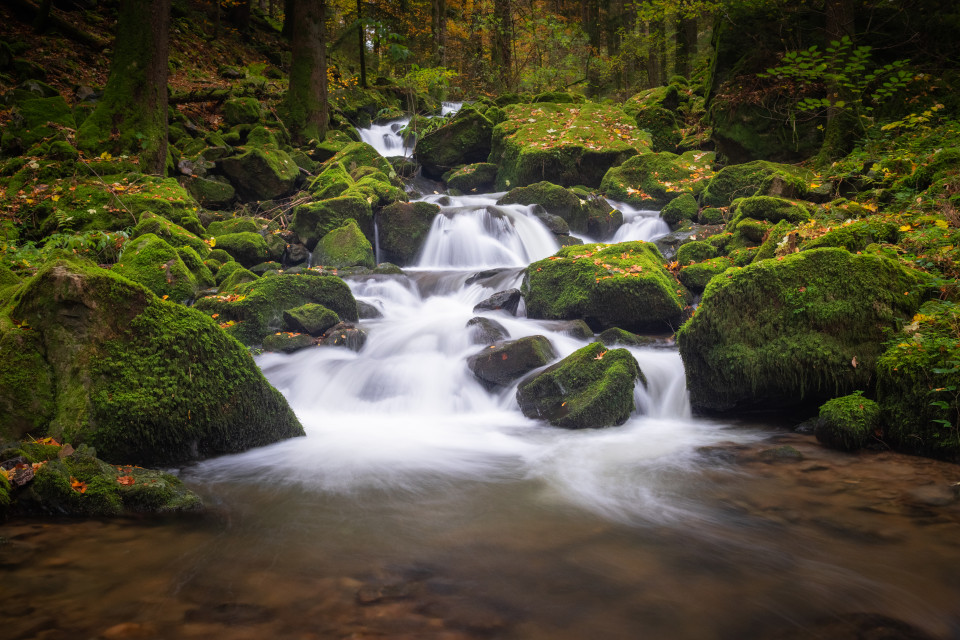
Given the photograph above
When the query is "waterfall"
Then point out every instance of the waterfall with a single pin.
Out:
(639, 224)
(386, 139)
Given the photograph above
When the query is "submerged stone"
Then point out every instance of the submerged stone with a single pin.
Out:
(505, 362)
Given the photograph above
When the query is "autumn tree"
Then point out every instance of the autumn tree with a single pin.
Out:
(305, 106)
(131, 117)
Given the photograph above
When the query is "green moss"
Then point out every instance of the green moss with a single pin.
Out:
(555, 199)
(695, 277)
(331, 182)
(504, 362)
(472, 178)
(744, 180)
(856, 236)
(287, 342)
(173, 234)
(30, 123)
(144, 380)
(236, 276)
(313, 220)
(778, 333)
(463, 140)
(257, 307)
(27, 390)
(623, 285)
(679, 209)
(768, 208)
(695, 251)
(245, 247)
(220, 256)
(377, 190)
(564, 144)
(771, 246)
(360, 154)
(917, 379)
(592, 387)
(195, 264)
(345, 246)
(153, 263)
(749, 232)
(663, 127)
(310, 318)
(241, 111)
(847, 423)
(712, 215)
(209, 193)
(261, 173)
(403, 228)
(234, 225)
(654, 179)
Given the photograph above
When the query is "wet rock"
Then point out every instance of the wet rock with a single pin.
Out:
(311, 318)
(785, 453)
(592, 387)
(288, 342)
(296, 254)
(555, 224)
(617, 336)
(508, 301)
(345, 334)
(404, 227)
(486, 331)
(501, 364)
(368, 311)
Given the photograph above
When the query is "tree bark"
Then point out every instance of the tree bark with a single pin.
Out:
(306, 107)
(502, 41)
(439, 31)
(686, 43)
(289, 7)
(131, 117)
(362, 44)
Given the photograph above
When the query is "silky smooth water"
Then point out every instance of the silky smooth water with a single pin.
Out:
(420, 505)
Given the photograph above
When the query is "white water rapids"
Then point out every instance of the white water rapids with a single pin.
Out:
(406, 413)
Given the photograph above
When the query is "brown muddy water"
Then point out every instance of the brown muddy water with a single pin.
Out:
(763, 543)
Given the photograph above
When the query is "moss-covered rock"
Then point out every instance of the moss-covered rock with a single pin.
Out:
(847, 423)
(313, 319)
(744, 180)
(917, 379)
(679, 209)
(193, 262)
(779, 333)
(654, 179)
(361, 154)
(235, 275)
(464, 140)
(695, 251)
(30, 122)
(564, 144)
(345, 246)
(856, 236)
(156, 265)
(501, 364)
(695, 277)
(27, 389)
(621, 285)
(245, 247)
(260, 173)
(404, 228)
(473, 178)
(241, 111)
(331, 182)
(254, 310)
(173, 234)
(592, 387)
(768, 208)
(210, 193)
(288, 342)
(313, 220)
(144, 380)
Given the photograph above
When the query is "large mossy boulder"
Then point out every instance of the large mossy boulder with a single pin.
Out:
(404, 228)
(748, 179)
(255, 309)
(501, 364)
(345, 246)
(769, 209)
(587, 214)
(592, 387)
(260, 172)
(472, 178)
(847, 423)
(621, 285)
(313, 319)
(143, 380)
(654, 179)
(563, 143)
(464, 140)
(246, 247)
(173, 234)
(313, 220)
(34, 120)
(798, 331)
(360, 154)
(917, 381)
(156, 265)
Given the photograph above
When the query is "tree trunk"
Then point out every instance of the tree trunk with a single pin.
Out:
(686, 43)
(502, 41)
(131, 117)
(439, 31)
(362, 44)
(841, 128)
(289, 8)
(655, 62)
(305, 107)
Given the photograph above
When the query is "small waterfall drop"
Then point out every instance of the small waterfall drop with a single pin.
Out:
(639, 224)
(386, 138)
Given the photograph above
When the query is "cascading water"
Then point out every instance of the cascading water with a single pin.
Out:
(406, 411)
(386, 138)
(639, 224)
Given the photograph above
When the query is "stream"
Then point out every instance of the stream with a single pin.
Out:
(421, 505)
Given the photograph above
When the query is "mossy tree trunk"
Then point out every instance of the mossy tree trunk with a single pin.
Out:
(502, 41)
(362, 44)
(686, 40)
(305, 107)
(132, 115)
(439, 31)
(842, 125)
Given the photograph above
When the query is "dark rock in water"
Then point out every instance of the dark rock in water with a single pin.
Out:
(403, 228)
(785, 453)
(508, 301)
(592, 387)
(572, 328)
(555, 224)
(503, 363)
(617, 336)
(483, 275)
(486, 331)
(465, 140)
(345, 334)
(102, 338)
(368, 311)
